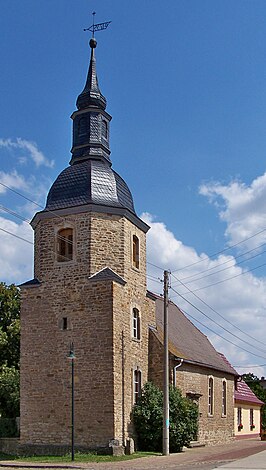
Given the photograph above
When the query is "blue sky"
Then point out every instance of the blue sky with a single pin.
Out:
(185, 82)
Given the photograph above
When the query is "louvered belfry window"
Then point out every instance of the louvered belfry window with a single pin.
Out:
(65, 245)
(135, 249)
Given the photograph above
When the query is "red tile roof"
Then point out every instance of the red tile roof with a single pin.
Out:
(245, 394)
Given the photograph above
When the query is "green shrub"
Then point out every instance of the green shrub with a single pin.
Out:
(8, 427)
(148, 419)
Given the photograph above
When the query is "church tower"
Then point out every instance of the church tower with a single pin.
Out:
(89, 289)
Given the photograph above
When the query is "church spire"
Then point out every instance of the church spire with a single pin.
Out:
(91, 121)
(91, 95)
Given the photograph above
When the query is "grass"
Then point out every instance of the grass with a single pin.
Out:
(79, 457)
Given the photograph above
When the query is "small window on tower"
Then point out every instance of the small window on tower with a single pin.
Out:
(136, 324)
(104, 129)
(65, 245)
(135, 251)
(64, 323)
(82, 126)
(136, 385)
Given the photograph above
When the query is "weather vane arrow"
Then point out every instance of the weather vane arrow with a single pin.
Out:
(97, 27)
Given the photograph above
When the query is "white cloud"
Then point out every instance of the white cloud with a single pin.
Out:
(31, 147)
(241, 300)
(242, 207)
(15, 255)
(12, 180)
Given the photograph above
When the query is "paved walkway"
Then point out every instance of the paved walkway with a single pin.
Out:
(253, 453)
(256, 461)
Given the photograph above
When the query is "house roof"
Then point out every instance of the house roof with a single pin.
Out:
(32, 283)
(188, 342)
(245, 394)
(107, 274)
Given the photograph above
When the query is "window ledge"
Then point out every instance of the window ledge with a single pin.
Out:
(65, 263)
(137, 270)
(136, 340)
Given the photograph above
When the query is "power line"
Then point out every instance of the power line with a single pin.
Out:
(229, 278)
(221, 251)
(17, 236)
(245, 367)
(217, 334)
(9, 211)
(153, 279)
(220, 315)
(226, 262)
(224, 269)
(31, 243)
(19, 194)
(220, 326)
(54, 213)
(155, 266)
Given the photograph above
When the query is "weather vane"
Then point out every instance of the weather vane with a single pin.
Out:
(97, 27)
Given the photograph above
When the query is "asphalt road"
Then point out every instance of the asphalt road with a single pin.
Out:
(202, 458)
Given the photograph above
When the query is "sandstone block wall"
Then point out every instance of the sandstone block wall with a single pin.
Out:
(193, 380)
(99, 322)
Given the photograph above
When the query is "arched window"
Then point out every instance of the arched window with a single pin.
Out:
(65, 245)
(136, 324)
(136, 385)
(210, 396)
(135, 251)
(224, 397)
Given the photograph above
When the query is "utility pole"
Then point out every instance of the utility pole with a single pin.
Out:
(71, 357)
(166, 370)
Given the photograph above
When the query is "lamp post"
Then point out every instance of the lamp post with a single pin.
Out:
(71, 357)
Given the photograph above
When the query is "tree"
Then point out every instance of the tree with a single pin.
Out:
(254, 383)
(9, 350)
(148, 419)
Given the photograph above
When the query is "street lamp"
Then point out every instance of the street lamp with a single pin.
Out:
(71, 357)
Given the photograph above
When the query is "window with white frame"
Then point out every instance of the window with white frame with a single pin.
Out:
(251, 419)
(136, 384)
(224, 397)
(239, 418)
(136, 323)
(210, 396)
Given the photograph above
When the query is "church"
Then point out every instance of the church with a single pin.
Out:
(89, 298)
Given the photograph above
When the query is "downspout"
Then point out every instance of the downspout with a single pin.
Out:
(176, 367)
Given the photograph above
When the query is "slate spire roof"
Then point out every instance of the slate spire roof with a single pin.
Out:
(90, 182)
(91, 94)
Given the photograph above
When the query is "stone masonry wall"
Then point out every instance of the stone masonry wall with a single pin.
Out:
(194, 379)
(46, 370)
(97, 313)
(130, 353)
